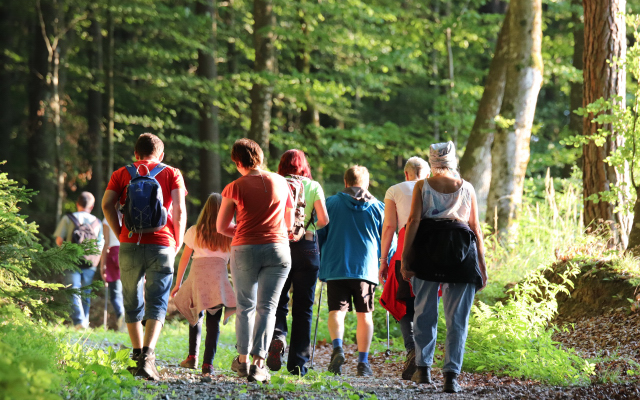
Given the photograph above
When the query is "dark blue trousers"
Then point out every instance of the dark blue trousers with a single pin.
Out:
(305, 265)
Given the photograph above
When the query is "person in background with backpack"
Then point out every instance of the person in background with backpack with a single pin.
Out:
(78, 227)
(350, 252)
(260, 254)
(152, 198)
(311, 214)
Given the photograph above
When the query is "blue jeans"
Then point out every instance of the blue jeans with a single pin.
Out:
(457, 299)
(305, 264)
(145, 300)
(80, 305)
(259, 272)
(115, 296)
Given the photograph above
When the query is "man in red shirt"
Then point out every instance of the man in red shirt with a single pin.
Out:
(147, 255)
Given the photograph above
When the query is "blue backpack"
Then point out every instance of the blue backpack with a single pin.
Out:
(143, 209)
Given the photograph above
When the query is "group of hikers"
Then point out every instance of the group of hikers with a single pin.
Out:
(279, 235)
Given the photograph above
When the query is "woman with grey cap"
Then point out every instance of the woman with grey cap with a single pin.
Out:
(443, 245)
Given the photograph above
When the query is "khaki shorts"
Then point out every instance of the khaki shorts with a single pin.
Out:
(349, 294)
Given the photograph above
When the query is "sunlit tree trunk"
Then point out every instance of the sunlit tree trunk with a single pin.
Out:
(209, 133)
(94, 111)
(262, 90)
(605, 38)
(510, 152)
(475, 164)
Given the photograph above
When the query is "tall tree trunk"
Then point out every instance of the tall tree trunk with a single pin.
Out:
(40, 144)
(232, 53)
(94, 111)
(109, 90)
(208, 127)
(6, 101)
(451, 86)
(634, 235)
(510, 153)
(475, 164)
(262, 92)
(605, 38)
(576, 121)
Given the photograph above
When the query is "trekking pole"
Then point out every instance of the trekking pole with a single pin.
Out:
(315, 335)
(388, 352)
(106, 302)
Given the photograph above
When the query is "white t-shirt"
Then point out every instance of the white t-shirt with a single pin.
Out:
(401, 195)
(199, 252)
(113, 239)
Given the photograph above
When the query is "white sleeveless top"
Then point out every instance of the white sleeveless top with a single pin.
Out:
(456, 205)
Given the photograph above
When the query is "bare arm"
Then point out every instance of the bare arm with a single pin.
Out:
(59, 241)
(109, 203)
(321, 213)
(412, 228)
(388, 229)
(182, 268)
(179, 215)
(289, 218)
(224, 223)
(474, 224)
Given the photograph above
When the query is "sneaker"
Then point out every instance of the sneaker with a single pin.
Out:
(422, 375)
(364, 369)
(147, 366)
(241, 368)
(190, 362)
(409, 365)
(207, 369)
(451, 384)
(276, 351)
(257, 374)
(121, 325)
(337, 359)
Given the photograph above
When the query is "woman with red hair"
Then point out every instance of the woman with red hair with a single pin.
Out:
(305, 264)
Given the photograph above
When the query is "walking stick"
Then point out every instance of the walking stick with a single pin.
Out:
(106, 302)
(388, 352)
(315, 335)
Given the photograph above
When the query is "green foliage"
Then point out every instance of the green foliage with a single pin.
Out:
(23, 260)
(514, 338)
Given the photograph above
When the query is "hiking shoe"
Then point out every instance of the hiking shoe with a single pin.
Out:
(147, 366)
(190, 362)
(364, 369)
(451, 384)
(409, 365)
(134, 369)
(241, 368)
(257, 374)
(207, 369)
(422, 375)
(276, 351)
(337, 359)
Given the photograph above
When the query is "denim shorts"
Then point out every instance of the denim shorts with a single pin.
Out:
(155, 263)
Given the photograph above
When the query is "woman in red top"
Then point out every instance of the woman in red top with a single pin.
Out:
(260, 254)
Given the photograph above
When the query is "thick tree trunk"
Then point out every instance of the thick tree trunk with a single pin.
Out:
(208, 128)
(109, 91)
(262, 92)
(475, 164)
(232, 53)
(634, 235)
(605, 38)
(94, 113)
(510, 152)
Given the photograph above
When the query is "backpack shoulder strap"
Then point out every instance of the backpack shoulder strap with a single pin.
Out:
(73, 219)
(156, 170)
(132, 170)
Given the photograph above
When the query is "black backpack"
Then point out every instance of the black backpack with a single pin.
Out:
(82, 233)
